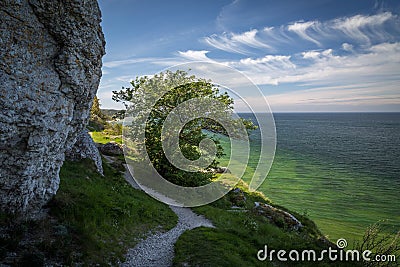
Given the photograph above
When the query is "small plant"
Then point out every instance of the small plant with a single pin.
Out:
(250, 224)
(381, 241)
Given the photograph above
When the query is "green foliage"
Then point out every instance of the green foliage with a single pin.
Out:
(153, 99)
(120, 115)
(241, 233)
(113, 129)
(97, 120)
(104, 138)
(93, 220)
(106, 213)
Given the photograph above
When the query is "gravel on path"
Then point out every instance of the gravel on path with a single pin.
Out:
(158, 249)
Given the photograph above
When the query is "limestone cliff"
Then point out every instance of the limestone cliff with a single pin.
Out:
(50, 68)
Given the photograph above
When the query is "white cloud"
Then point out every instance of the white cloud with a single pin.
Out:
(270, 61)
(224, 42)
(311, 54)
(237, 43)
(360, 27)
(347, 47)
(365, 96)
(301, 28)
(249, 38)
(361, 94)
(268, 29)
(387, 48)
(125, 78)
(195, 55)
(376, 63)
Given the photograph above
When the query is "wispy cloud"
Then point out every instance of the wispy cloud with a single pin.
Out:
(224, 42)
(195, 55)
(359, 29)
(237, 43)
(249, 39)
(362, 94)
(351, 61)
(302, 28)
(378, 63)
(362, 28)
(270, 61)
(349, 97)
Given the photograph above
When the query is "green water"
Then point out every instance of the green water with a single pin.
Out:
(341, 205)
(342, 200)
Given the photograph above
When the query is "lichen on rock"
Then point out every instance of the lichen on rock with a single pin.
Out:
(51, 53)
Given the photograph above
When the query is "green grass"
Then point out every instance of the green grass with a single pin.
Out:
(106, 213)
(93, 220)
(238, 237)
(103, 137)
(342, 202)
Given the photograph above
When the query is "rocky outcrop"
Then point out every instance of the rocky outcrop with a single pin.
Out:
(85, 148)
(50, 69)
(111, 149)
(277, 216)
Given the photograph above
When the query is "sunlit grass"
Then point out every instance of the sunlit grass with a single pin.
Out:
(342, 202)
(106, 213)
(103, 137)
(239, 235)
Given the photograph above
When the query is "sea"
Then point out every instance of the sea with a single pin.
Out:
(340, 169)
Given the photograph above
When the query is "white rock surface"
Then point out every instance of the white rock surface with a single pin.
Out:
(50, 68)
(85, 148)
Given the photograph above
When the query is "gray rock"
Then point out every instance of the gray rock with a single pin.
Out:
(280, 217)
(85, 148)
(50, 68)
(111, 149)
(237, 197)
(222, 170)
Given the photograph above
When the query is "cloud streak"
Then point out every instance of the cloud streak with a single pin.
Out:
(347, 61)
(195, 55)
(301, 28)
(361, 27)
(358, 29)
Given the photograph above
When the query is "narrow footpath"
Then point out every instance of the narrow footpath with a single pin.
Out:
(158, 249)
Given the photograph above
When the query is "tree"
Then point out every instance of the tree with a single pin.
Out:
(154, 99)
(97, 119)
(95, 111)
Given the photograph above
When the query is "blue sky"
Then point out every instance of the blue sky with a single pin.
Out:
(321, 55)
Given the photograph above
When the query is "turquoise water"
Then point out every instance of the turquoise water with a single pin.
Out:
(341, 169)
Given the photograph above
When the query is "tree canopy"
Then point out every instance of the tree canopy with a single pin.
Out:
(171, 98)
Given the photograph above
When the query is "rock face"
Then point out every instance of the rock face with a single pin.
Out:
(50, 68)
(85, 148)
(111, 149)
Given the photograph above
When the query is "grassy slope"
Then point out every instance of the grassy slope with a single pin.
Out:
(103, 138)
(93, 220)
(107, 214)
(238, 237)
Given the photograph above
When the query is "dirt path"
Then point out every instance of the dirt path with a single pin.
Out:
(158, 249)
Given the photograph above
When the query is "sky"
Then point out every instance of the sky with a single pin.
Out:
(304, 56)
